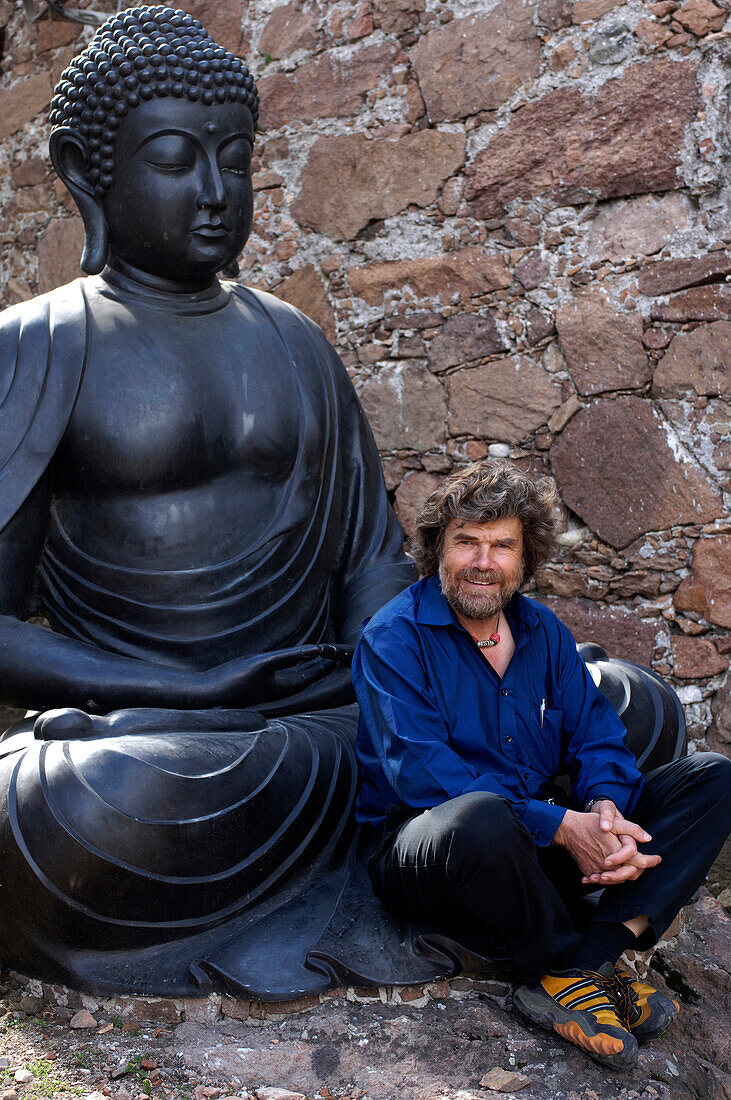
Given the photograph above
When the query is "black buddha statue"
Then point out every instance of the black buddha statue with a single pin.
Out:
(191, 496)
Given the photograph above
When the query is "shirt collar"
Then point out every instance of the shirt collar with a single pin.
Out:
(434, 610)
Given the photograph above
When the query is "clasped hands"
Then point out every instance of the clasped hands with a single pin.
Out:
(603, 844)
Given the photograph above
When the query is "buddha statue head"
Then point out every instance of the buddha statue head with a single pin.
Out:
(153, 128)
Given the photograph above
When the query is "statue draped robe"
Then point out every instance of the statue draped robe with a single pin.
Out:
(175, 851)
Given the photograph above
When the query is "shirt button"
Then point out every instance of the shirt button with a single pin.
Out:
(505, 692)
(508, 738)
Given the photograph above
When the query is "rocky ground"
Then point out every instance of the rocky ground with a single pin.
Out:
(453, 1041)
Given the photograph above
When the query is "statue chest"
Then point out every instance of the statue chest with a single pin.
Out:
(171, 403)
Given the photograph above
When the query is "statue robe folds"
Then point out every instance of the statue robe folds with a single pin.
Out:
(171, 852)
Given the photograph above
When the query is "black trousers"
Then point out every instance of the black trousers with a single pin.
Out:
(470, 867)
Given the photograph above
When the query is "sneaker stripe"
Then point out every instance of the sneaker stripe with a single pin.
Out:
(594, 1001)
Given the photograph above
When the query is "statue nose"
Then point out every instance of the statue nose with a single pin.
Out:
(212, 193)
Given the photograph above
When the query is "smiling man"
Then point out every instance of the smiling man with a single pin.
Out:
(473, 700)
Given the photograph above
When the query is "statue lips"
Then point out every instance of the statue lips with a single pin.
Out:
(213, 231)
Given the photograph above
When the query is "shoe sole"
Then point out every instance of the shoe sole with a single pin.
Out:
(603, 1048)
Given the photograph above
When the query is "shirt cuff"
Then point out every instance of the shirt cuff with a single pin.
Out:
(620, 795)
(542, 819)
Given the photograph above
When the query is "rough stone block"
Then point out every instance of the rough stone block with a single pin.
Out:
(406, 407)
(708, 588)
(504, 400)
(622, 634)
(23, 101)
(603, 348)
(700, 303)
(669, 275)
(457, 275)
(325, 87)
(379, 178)
(697, 360)
(532, 270)
(410, 495)
(626, 140)
(290, 27)
(395, 16)
(476, 63)
(617, 468)
(639, 226)
(701, 17)
(463, 338)
(696, 658)
(585, 11)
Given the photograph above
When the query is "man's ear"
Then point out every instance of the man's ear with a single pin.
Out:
(70, 156)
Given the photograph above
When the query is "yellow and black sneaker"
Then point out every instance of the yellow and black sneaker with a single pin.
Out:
(578, 1006)
(647, 1012)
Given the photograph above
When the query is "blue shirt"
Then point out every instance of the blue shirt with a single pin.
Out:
(437, 721)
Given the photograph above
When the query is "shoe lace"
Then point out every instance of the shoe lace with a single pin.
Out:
(627, 999)
(619, 992)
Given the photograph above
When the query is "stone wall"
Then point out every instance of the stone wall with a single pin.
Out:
(513, 219)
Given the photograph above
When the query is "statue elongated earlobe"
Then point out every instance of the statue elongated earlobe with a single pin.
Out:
(69, 154)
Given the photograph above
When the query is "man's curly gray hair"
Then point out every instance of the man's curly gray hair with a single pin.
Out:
(488, 490)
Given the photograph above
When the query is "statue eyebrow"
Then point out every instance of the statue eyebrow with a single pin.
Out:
(173, 131)
(164, 133)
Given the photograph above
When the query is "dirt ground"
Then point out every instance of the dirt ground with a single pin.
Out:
(426, 1044)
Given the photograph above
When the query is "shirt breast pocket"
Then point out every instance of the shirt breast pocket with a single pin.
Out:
(547, 741)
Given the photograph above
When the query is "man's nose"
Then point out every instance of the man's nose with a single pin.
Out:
(484, 558)
(212, 193)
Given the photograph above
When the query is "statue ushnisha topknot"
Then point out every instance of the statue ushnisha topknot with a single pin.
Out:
(136, 55)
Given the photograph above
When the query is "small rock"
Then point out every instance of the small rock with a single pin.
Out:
(119, 1070)
(9, 1094)
(271, 1093)
(206, 1092)
(725, 899)
(504, 1080)
(31, 1005)
(4, 1063)
(105, 1028)
(82, 1019)
(23, 1076)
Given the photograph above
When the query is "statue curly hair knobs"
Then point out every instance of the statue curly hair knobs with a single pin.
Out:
(136, 56)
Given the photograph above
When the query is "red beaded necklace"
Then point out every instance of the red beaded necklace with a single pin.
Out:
(492, 640)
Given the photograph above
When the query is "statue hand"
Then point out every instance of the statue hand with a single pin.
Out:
(247, 681)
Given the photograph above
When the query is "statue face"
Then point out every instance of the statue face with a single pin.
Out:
(181, 203)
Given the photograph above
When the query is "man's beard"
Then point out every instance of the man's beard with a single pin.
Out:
(478, 605)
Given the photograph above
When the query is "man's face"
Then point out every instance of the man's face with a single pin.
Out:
(180, 205)
(481, 566)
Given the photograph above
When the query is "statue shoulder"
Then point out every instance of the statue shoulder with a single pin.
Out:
(42, 355)
(292, 321)
(48, 313)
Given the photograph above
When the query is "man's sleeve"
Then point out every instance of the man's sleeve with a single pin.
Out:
(410, 736)
(598, 759)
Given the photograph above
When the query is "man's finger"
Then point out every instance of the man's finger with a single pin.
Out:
(623, 854)
(628, 828)
(644, 861)
(607, 814)
(627, 873)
